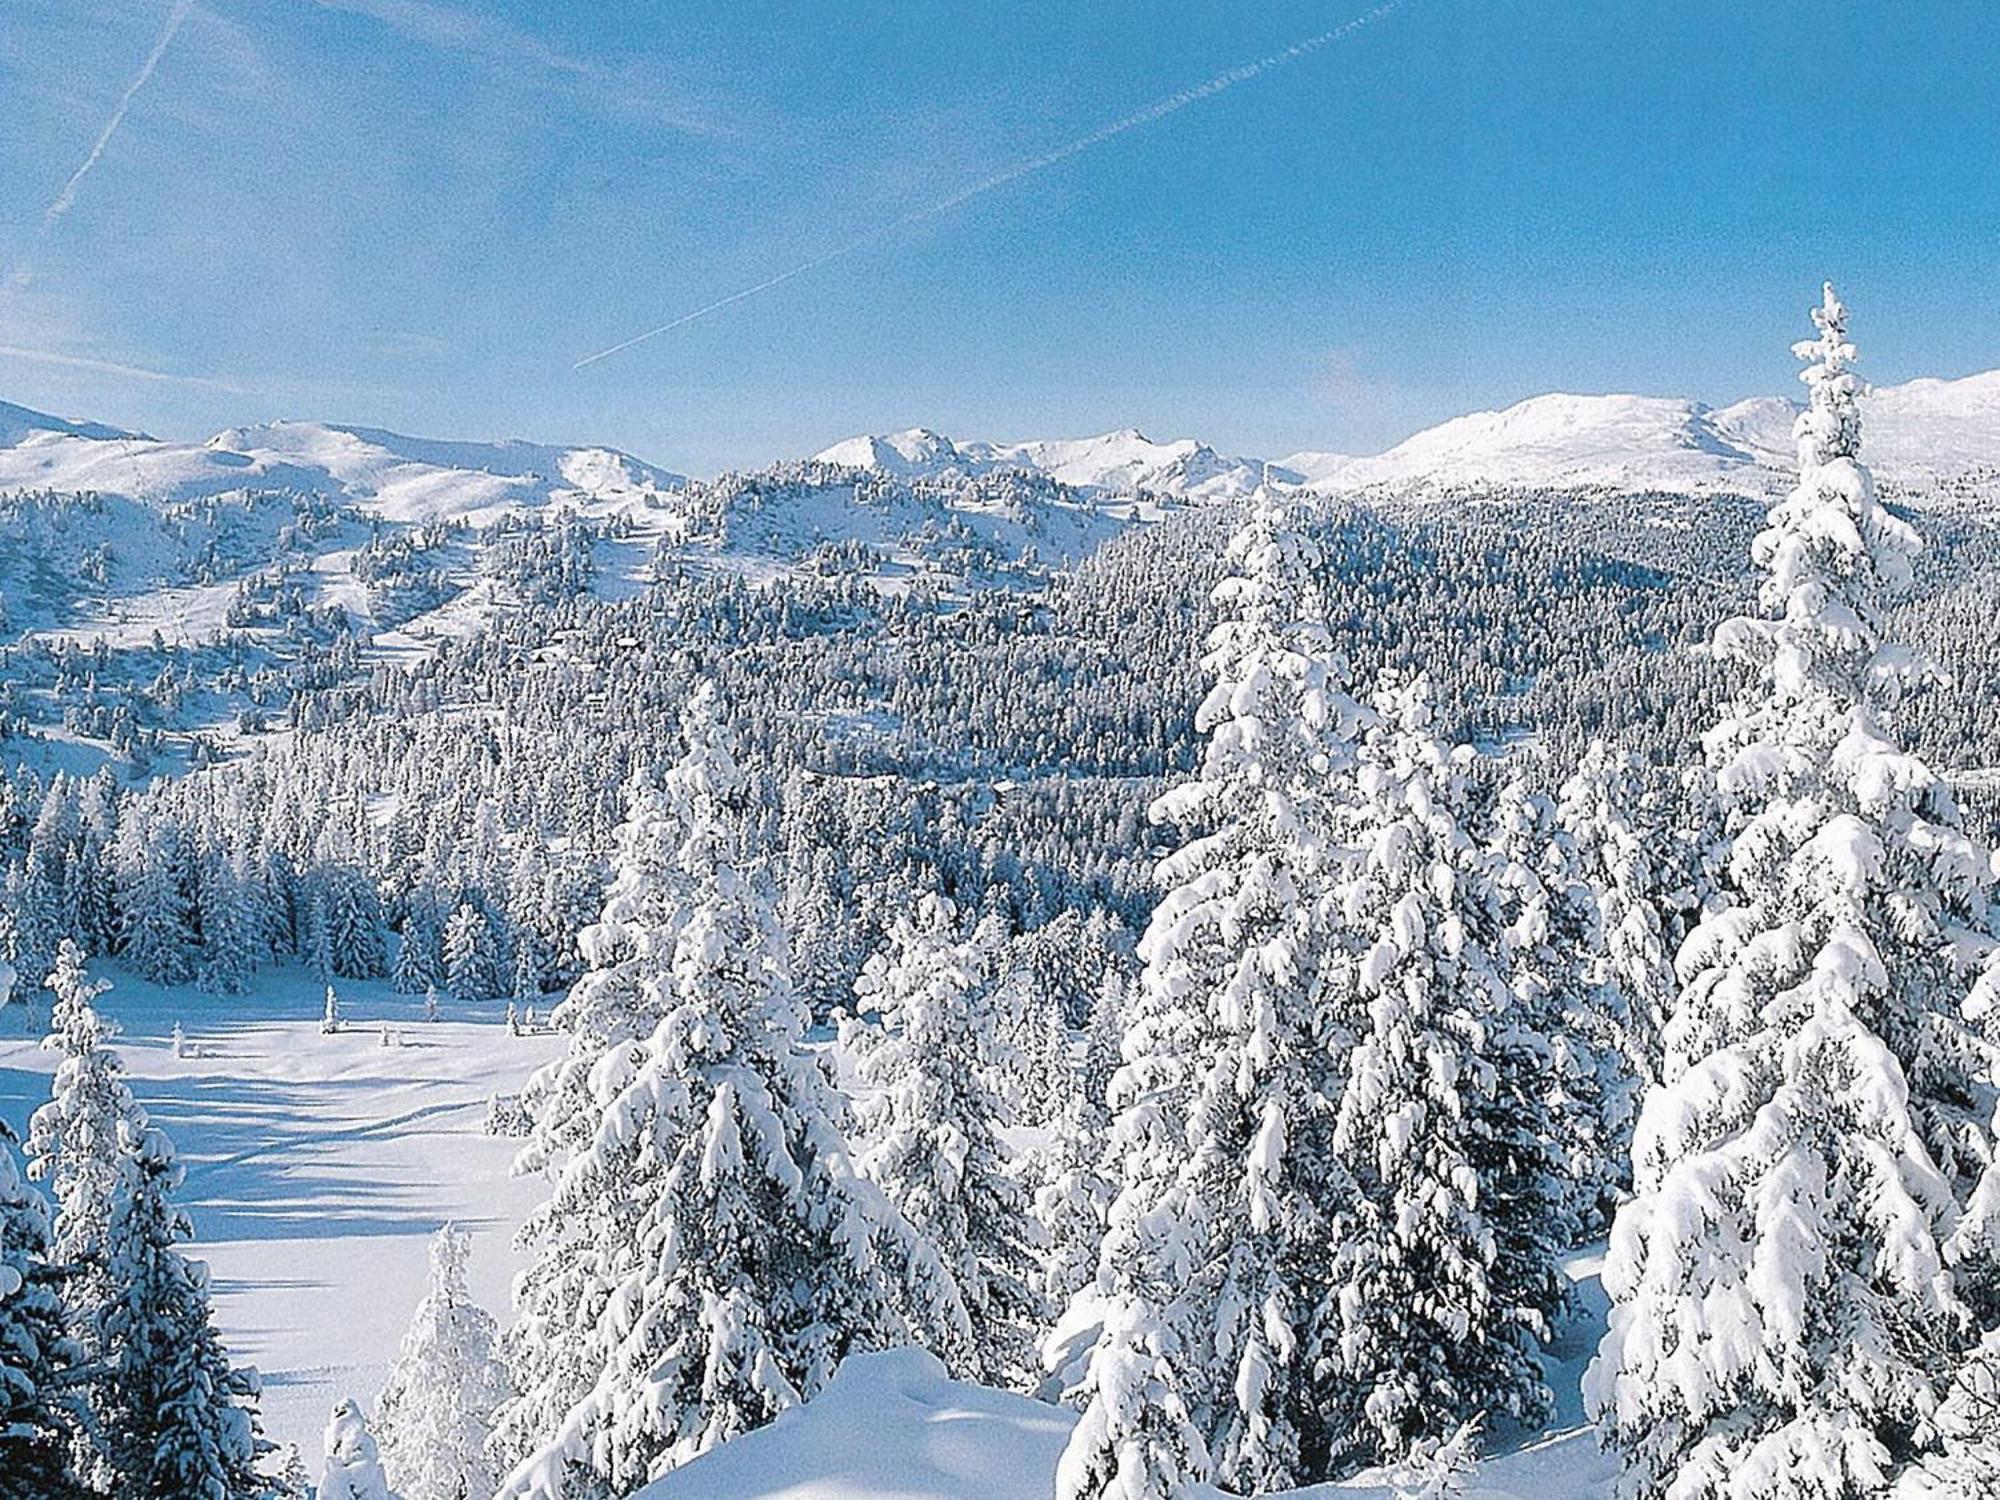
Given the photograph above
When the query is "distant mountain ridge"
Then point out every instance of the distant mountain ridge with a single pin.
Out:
(1919, 432)
(1923, 430)
(385, 473)
(1121, 462)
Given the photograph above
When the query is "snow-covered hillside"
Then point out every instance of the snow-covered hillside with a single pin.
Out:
(384, 473)
(1629, 441)
(1917, 433)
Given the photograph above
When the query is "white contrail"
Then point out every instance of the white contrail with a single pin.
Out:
(165, 39)
(1156, 111)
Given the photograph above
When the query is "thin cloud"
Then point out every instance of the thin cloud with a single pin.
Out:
(495, 41)
(1157, 110)
(67, 196)
(114, 367)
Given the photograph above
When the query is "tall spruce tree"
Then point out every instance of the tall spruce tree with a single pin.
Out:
(607, 1019)
(1791, 1281)
(76, 1141)
(1210, 1259)
(757, 1256)
(1442, 1268)
(931, 1125)
(175, 1420)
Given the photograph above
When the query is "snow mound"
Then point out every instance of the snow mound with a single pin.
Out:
(891, 1424)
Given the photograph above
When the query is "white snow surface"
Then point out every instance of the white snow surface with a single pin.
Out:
(318, 1166)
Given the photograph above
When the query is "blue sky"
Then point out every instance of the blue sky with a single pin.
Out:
(419, 214)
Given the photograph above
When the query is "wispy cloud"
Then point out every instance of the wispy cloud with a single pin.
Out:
(63, 199)
(503, 44)
(1158, 110)
(114, 367)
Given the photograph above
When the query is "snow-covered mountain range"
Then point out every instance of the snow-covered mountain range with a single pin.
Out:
(1923, 431)
(1920, 432)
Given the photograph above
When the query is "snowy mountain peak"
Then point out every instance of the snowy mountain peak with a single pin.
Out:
(914, 452)
(1123, 462)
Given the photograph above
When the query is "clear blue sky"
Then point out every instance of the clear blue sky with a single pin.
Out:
(419, 213)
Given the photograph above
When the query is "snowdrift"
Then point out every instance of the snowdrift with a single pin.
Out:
(889, 1426)
(894, 1426)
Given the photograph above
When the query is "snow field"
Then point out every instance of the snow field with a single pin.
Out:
(317, 1166)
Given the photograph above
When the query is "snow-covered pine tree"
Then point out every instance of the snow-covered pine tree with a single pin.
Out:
(436, 1409)
(419, 962)
(751, 1257)
(34, 919)
(158, 937)
(353, 1468)
(1790, 1280)
(527, 988)
(230, 943)
(41, 1405)
(75, 1141)
(355, 947)
(607, 1018)
(1072, 1202)
(292, 1481)
(471, 954)
(1210, 1259)
(1566, 1056)
(1439, 1283)
(1605, 808)
(1103, 1038)
(172, 1415)
(931, 1119)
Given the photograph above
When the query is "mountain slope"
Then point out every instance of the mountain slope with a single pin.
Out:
(1922, 432)
(18, 425)
(1555, 440)
(1917, 433)
(385, 473)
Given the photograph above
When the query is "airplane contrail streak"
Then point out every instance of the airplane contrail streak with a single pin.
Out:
(67, 196)
(1159, 110)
